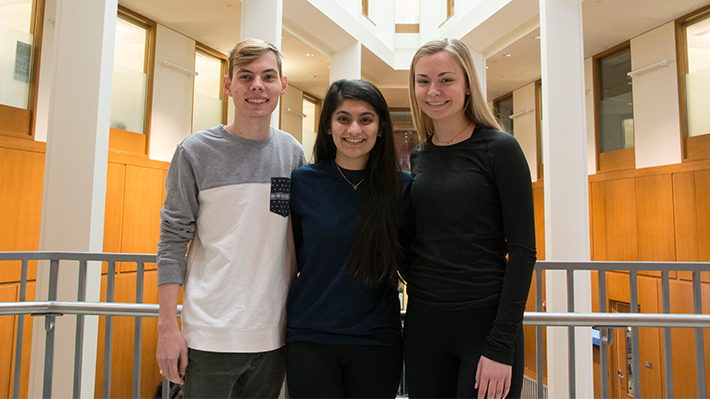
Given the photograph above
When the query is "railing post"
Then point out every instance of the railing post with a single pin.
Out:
(137, 336)
(603, 339)
(79, 341)
(20, 332)
(49, 324)
(538, 330)
(667, 350)
(699, 338)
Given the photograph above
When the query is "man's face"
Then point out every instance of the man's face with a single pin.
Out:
(255, 88)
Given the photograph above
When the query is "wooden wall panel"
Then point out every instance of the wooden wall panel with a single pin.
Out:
(113, 216)
(113, 213)
(21, 175)
(622, 241)
(123, 342)
(683, 342)
(702, 198)
(686, 220)
(539, 209)
(655, 227)
(8, 293)
(650, 349)
(143, 199)
(598, 221)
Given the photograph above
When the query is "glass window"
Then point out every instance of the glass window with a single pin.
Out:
(616, 114)
(697, 75)
(406, 11)
(208, 104)
(16, 45)
(130, 75)
(503, 108)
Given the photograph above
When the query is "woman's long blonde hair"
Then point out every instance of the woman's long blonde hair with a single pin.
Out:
(475, 106)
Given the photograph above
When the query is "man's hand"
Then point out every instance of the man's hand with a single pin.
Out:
(172, 348)
(172, 354)
(492, 378)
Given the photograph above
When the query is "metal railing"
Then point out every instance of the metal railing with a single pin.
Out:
(51, 309)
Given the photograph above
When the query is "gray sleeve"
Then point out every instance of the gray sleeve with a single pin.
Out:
(177, 225)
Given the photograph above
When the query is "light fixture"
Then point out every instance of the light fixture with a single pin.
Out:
(507, 55)
(309, 55)
(538, 37)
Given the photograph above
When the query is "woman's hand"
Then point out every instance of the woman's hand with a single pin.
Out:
(492, 378)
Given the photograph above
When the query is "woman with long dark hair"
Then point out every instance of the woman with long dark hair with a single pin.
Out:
(343, 331)
(474, 250)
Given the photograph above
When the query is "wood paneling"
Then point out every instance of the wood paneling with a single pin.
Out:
(21, 179)
(15, 121)
(686, 225)
(123, 341)
(143, 199)
(539, 209)
(697, 147)
(113, 213)
(617, 160)
(598, 221)
(129, 142)
(702, 198)
(8, 293)
(683, 342)
(620, 204)
(655, 227)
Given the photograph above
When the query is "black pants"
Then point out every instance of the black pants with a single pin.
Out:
(442, 349)
(342, 371)
(234, 375)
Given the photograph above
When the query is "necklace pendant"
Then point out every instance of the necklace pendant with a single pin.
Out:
(354, 187)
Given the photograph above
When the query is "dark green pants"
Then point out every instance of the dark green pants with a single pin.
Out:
(234, 375)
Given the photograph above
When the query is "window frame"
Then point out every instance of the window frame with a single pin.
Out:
(696, 147)
(18, 122)
(618, 159)
(496, 110)
(125, 141)
(203, 48)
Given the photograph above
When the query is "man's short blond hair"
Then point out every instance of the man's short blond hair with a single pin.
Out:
(248, 50)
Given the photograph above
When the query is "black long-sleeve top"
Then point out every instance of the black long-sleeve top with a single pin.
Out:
(474, 206)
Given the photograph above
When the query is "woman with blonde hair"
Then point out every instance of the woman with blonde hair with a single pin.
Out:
(474, 250)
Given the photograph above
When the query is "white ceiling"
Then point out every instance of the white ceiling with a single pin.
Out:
(607, 23)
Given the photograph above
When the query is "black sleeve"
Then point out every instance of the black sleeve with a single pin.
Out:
(512, 176)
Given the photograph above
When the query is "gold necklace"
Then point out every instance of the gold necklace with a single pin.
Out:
(452, 139)
(346, 179)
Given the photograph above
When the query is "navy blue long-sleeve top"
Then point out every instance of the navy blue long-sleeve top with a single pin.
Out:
(474, 207)
(325, 304)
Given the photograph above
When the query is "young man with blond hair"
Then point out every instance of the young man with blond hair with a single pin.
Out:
(228, 198)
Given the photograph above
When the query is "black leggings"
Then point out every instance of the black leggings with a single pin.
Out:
(442, 349)
(342, 371)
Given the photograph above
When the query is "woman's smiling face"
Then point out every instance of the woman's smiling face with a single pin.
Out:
(440, 86)
(354, 127)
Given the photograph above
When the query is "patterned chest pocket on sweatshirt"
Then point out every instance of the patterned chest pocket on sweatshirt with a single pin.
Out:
(280, 195)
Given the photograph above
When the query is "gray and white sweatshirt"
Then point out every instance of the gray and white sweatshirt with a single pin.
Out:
(228, 197)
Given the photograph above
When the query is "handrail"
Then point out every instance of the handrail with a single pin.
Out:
(189, 72)
(521, 113)
(664, 62)
(598, 320)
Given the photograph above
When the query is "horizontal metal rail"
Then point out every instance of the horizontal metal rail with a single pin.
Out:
(549, 319)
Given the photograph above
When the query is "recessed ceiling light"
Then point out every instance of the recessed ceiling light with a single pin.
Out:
(507, 55)
(309, 55)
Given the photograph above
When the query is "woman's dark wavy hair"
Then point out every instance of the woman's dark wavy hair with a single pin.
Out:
(375, 251)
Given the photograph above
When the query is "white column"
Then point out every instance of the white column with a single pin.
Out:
(263, 19)
(75, 178)
(566, 190)
(347, 63)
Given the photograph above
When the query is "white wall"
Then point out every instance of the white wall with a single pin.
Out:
(524, 125)
(172, 94)
(655, 93)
